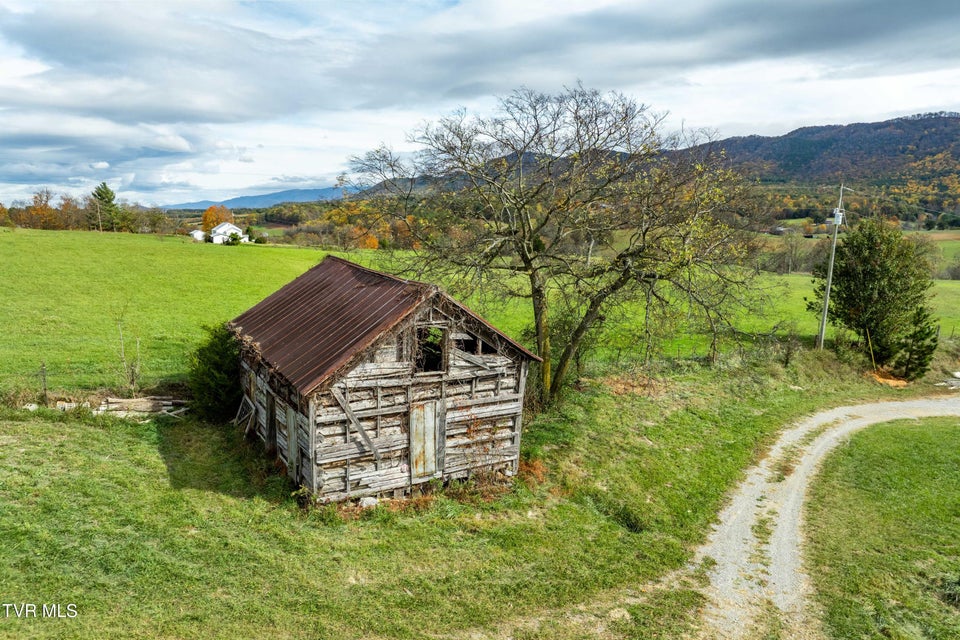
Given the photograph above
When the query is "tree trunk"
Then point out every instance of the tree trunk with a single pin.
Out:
(589, 318)
(542, 326)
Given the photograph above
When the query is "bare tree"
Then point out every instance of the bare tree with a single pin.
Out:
(576, 202)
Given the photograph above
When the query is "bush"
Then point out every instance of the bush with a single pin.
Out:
(214, 376)
(952, 272)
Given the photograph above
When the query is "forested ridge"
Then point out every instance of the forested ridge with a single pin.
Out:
(902, 166)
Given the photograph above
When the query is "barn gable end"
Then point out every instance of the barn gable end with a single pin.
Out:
(362, 383)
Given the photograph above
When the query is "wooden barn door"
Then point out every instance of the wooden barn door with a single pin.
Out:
(423, 440)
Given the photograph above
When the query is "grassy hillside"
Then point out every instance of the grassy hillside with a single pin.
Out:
(68, 291)
(180, 529)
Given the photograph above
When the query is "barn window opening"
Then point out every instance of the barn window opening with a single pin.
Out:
(465, 342)
(429, 349)
(487, 349)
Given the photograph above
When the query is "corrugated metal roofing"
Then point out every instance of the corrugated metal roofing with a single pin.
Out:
(309, 329)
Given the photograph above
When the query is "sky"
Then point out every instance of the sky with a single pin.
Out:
(170, 101)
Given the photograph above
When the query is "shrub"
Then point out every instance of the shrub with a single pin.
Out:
(214, 375)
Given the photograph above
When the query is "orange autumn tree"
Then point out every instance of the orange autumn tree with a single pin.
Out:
(213, 216)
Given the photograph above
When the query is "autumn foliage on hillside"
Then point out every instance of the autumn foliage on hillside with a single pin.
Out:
(48, 210)
(905, 168)
(345, 224)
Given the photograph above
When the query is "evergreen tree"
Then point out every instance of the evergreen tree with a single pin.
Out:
(102, 211)
(880, 291)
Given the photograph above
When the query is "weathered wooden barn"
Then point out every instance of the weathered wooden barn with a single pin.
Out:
(365, 384)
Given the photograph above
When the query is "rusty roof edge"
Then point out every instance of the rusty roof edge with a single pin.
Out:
(448, 297)
(383, 274)
(343, 261)
(247, 344)
(349, 359)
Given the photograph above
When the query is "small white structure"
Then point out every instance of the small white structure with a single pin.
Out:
(222, 232)
(198, 235)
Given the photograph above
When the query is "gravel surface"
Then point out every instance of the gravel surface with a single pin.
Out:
(758, 583)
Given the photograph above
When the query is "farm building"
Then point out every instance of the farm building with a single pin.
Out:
(365, 384)
(222, 232)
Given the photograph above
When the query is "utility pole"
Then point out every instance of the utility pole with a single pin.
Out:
(837, 219)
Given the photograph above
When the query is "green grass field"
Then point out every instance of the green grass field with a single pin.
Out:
(949, 244)
(179, 529)
(885, 533)
(67, 292)
(70, 294)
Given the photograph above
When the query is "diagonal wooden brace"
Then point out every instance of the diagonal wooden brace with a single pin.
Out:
(339, 397)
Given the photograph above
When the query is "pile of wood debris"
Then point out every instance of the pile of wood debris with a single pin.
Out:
(122, 407)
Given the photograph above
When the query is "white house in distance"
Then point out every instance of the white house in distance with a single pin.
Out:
(198, 235)
(222, 232)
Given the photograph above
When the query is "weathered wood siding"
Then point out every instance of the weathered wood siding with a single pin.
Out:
(354, 438)
(477, 419)
(290, 418)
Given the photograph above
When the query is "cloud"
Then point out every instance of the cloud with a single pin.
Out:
(161, 62)
(631, 44)
(222, 94)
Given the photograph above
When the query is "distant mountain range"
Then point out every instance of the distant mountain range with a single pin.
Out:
(266, 199)
(921, 147)
(916, 150)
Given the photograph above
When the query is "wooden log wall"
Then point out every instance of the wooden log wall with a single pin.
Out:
(480, 405)
(284, 398)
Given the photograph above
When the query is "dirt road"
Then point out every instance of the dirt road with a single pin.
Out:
(758, 583)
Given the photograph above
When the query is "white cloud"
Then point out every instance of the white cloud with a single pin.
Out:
(171, 99)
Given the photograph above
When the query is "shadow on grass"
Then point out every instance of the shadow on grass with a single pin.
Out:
(218, 458)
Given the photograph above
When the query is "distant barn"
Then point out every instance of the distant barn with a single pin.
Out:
(365, 384)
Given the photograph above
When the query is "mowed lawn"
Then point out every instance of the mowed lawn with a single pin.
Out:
(885, 533)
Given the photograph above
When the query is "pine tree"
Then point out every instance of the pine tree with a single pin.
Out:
(102, 211)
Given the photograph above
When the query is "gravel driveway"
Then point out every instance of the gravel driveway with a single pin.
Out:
(758, 583)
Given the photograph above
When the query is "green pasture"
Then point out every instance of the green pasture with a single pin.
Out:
(70, 295)
(181, 529)
(884, 522)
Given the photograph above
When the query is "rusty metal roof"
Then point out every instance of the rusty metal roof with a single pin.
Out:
(314, 326)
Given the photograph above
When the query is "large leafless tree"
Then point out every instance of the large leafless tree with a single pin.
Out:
(576, 202)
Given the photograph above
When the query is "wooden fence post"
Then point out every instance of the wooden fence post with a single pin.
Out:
(43, 381)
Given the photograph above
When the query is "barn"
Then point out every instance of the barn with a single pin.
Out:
(365, 384)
